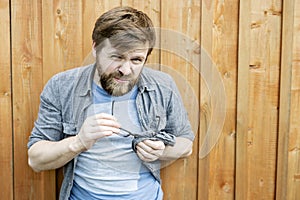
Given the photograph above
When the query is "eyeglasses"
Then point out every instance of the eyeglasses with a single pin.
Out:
(127, 132)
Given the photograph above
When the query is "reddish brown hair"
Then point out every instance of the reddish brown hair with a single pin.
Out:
(125, 27)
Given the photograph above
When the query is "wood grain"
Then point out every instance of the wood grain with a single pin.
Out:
(180, 24)
(263, 97)
(285, 99)
(62, 36)
(26, 33)
(242, 126)
(6, 137)
(293, 166)
(219, 32)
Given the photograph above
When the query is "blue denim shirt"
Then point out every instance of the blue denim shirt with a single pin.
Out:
(67, 96)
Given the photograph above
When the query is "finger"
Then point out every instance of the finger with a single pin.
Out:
(143, 155)
(95, 129)
(155, 144)
(109, 123)
(148, 151)
(144, 159)
(98, 135)
(102, 116)
(105, 122)
(105, 116)
(144, 146)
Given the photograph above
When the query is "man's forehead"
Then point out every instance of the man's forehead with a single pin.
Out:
(122, 51)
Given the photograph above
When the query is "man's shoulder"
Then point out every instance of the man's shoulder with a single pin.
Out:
(70, 74)
(66, 80)
(153, 75)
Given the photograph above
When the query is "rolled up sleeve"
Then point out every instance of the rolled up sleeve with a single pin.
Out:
(48, 125)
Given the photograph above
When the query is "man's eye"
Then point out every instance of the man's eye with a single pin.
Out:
(137, 60)
(116, 57)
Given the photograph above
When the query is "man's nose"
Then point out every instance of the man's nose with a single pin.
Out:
(125, 68)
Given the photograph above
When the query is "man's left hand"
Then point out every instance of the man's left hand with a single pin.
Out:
(150, 150)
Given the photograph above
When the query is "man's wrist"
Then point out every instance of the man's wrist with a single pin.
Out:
(76, 145)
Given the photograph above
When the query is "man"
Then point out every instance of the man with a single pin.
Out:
(110, 124)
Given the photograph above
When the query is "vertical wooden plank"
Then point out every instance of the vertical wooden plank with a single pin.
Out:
(285, 99)
(27, 85)
(54, 22)
(62, 36)
(293, 182)
(180, 34)
(219, 32)
(6, 139)
(242, 178)
(62, 32)
(204, 166)
(263, 97)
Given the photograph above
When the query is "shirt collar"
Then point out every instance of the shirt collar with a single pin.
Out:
(85, 80)
(144, 84)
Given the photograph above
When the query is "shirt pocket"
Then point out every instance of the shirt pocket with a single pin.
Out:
(159, 119)
(69, 129)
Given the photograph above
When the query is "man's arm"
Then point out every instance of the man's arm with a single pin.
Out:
(182, 148)
(149, 150)
(45, 155)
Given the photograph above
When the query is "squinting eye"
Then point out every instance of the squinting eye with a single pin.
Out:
(116, 57)
(137, 60)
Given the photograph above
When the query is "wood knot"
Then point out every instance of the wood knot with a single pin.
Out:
(226, 187)
(58, 11)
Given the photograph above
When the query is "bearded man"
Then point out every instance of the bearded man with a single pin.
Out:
(111, 123)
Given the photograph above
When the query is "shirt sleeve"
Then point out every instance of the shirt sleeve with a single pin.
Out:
(178, 120)
(48, 125)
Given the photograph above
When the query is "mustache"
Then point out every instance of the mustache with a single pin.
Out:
(118, 75)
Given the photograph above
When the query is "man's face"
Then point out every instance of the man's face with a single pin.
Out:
(119, 70)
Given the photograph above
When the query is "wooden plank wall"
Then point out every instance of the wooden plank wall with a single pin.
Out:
(237, 62)
(6, 136)
(293, 148)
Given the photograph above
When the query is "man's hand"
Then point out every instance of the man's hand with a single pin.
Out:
(149, 150)
(96, 127)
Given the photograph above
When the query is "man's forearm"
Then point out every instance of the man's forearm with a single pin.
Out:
(46, 155)
(182, 148)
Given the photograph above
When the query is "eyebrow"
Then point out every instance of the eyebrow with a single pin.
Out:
(114, 51)
(139, 57)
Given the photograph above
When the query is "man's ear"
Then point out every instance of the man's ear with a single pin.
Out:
(94, 50)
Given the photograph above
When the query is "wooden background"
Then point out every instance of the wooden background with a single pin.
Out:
(253, 45)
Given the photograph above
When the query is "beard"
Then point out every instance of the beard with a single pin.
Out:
(113, 87)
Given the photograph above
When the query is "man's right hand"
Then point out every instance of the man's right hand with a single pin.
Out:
(96, 127)
(45, 155)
